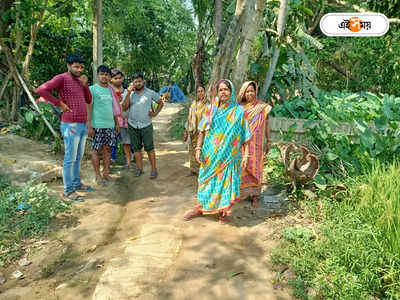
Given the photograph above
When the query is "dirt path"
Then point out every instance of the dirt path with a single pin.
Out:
(129, 241)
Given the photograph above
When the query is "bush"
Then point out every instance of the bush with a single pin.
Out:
(355, 253)
(33, 126)
(177, 128)
(376, 121)
(25, 212)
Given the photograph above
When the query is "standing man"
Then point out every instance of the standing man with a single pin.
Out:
(103, 124)
(74, 96)
(139, 100)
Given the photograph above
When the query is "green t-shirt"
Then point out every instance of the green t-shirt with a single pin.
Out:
(102, 114)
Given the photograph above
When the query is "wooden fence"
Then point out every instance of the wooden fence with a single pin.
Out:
(280, 128)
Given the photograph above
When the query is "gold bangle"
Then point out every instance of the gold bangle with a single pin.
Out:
(197, 148)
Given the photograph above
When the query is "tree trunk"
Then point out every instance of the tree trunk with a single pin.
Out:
(281, 23)
(97, 37)
(254, 12)
(14, 104)
(4, 85)
(10, 62)
(198, 60)
(225, 55)
(34, 33)
(218, 20)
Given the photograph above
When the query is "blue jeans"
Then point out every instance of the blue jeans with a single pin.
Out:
(75, 135)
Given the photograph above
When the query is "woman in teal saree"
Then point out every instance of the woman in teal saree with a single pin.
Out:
(223, 131)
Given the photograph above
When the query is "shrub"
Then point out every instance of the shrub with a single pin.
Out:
(25, 212)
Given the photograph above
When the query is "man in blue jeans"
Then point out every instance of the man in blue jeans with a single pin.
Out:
(74, 96)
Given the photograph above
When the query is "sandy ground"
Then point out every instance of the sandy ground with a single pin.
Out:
(128, 240)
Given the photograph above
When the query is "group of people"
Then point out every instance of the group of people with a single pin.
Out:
(103, 111)
(226, 147)
(226, 134)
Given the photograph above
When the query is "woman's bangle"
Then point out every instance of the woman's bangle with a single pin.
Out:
(197, 148)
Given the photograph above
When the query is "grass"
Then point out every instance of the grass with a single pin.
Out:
(25, 212)
(355, 252)
(177, 125)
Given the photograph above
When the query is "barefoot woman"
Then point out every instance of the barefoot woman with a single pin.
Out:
(224, 131)
(256, 113)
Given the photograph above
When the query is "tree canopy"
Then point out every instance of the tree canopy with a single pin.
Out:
(195, 41)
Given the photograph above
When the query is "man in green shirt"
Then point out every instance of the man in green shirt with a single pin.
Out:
(102, 124)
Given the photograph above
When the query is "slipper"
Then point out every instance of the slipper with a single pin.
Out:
(153, 175)
(139, 172)
(108, 179)
(85, 189)
(191, 174)
(100, 182)
(74, 197)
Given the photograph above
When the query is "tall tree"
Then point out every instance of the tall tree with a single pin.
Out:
(97, 36)
(218, 19)
(254, 12)
(281, 23)
(202, 10)
(237, 41)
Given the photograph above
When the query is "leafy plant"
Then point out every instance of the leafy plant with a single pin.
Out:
(25, 212)
(33, 126)
(374, 119)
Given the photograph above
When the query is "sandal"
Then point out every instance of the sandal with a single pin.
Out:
(85, 189)
(192, 214)
(100, 182)
(191, 174)
(153, 175)
(108, 179)
(74, 197)
(139, 172)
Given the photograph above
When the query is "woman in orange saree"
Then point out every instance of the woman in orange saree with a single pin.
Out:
(256, 113)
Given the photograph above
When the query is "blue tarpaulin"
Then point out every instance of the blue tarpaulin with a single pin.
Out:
(176, 93)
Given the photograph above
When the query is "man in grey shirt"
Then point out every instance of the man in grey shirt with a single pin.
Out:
(138, 101)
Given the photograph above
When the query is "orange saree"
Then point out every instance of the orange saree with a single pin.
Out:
(256, 113)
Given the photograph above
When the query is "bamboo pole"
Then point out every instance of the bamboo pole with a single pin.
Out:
(22, 81)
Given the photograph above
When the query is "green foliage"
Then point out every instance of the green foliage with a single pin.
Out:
(373, 118)
(355, 253)
(177, 128)
(25, 212)
(156, 37)
(365, 64)
(33, 126)
(275, 169)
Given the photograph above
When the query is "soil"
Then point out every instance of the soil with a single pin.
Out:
(128, 240)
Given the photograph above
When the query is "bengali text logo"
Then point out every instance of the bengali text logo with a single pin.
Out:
(354, 24)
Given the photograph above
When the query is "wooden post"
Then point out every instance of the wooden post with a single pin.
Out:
(22, 81)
